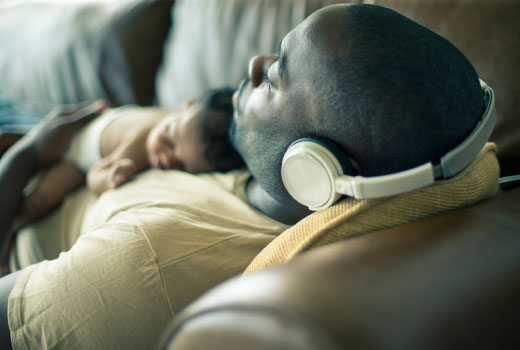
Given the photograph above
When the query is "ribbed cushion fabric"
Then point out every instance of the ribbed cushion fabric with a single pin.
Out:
(211, 42)
(70, 52)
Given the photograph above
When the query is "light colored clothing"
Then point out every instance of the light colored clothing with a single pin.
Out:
(133, 259)
(84, 148)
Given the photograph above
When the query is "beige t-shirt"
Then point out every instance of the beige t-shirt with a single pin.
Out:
(144, 251)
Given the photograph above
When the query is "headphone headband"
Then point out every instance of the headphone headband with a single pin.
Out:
(457, 159)
(313, 175)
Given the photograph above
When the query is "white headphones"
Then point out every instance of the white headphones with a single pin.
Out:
(315, 171)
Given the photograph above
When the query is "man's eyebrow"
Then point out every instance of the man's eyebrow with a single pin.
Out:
(281, 61)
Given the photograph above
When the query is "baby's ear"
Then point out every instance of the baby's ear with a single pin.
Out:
(185, 105)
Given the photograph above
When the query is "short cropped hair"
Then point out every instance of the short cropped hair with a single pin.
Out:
(398, 95)
(215, 119)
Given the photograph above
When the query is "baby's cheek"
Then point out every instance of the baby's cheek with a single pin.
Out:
(155, 144)
(153, 160)
(152, 152)
(149, 143)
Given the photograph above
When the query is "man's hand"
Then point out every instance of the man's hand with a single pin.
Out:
(48, 140)
(41, 147)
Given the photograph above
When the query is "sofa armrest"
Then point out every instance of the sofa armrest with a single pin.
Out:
(450, 281)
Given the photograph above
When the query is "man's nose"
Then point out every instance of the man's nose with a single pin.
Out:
(258, 65)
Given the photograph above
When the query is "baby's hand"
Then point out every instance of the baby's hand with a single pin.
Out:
(108, 174)
(121, 171)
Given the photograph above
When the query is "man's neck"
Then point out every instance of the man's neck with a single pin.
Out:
(263, 202)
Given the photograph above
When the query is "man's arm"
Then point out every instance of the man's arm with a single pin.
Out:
(17, 167)
(43, 146)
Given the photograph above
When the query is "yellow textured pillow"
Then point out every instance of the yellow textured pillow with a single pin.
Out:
(351, 217)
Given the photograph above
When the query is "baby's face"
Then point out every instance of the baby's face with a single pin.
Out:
(176, 142)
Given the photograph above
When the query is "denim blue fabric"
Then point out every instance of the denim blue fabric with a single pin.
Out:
(11, 116)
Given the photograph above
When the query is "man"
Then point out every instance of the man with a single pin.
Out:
(389, 92)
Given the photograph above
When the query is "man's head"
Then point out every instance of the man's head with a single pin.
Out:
(390, 92)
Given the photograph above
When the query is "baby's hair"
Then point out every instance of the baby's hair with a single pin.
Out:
(215, 119)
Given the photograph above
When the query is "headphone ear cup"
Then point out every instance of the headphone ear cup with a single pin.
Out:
(336, 151)
(309, 170)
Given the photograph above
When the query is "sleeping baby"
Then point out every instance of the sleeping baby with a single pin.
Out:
(127, 140)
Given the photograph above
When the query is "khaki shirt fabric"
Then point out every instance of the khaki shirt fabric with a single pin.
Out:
(132, 259)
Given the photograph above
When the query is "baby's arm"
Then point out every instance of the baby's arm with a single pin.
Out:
(123, 147)
(118, 167)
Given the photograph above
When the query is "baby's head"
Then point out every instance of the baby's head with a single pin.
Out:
(195, 138)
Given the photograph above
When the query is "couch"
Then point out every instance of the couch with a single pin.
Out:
(448, 281)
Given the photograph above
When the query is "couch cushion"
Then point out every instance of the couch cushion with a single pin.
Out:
(212, 42)
(448, 282)
(67, 52)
